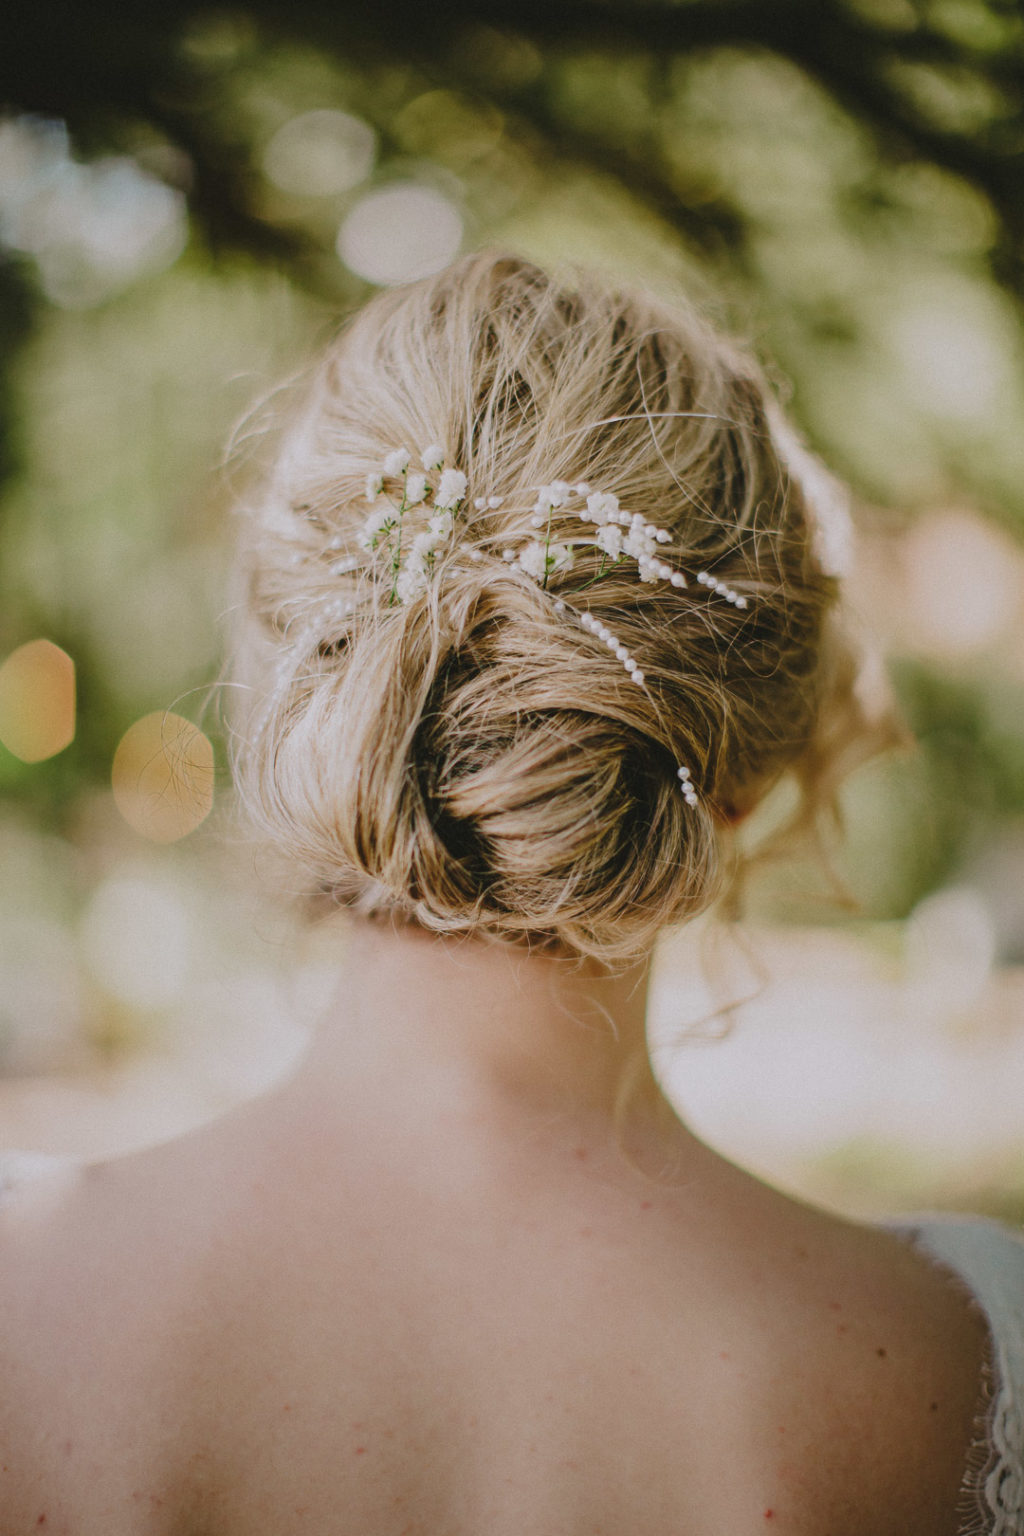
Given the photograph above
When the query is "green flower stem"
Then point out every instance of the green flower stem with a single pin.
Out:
(593, 579)
(396, 558)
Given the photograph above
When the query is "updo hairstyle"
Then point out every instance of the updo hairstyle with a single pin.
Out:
(473, 759)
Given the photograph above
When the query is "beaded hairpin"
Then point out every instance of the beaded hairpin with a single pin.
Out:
(619, 535)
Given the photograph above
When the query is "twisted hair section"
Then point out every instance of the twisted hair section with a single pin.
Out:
(471, 759)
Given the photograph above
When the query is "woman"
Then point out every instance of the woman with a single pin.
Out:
(537, 609)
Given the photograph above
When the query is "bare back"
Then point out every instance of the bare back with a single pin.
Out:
(265, 1330)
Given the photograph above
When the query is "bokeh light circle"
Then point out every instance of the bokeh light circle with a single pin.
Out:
(320, 153)
(162, 776)
(37, 701)
(137, 937)
(92, 228)
(940, 547)
(399, 233)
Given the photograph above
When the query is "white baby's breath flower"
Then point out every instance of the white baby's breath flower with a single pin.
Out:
(554, 495)
(539, 561)
(422, 545)
(397, 463)
(451, 489)
(381, 517)
(609, 538)
(432, 457)
(602, 506)
(441, 525)
(532, 560)
(374, 485)
(411, 581)
(638, 541)
(415, 488)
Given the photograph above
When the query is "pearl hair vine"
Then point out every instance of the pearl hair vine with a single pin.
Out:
(412, 549)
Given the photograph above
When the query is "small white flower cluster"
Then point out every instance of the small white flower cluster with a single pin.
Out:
(540, 560)
(411, 566)
(619, 534)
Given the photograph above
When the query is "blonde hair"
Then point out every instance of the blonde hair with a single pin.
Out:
(472, 760)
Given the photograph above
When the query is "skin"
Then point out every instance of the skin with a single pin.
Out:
(420, 1291)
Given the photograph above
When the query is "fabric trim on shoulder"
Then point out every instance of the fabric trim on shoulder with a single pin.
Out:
(989, 1259)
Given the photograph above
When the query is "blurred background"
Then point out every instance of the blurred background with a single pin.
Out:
(190, 197)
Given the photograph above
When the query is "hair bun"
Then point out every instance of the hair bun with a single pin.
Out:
(458, 750)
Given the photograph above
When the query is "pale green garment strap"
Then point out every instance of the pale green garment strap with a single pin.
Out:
(989, 1259)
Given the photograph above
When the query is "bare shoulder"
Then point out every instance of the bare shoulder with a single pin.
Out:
(229, 1294)
(888, 1350)
(36, 1193)
(97, 1286)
